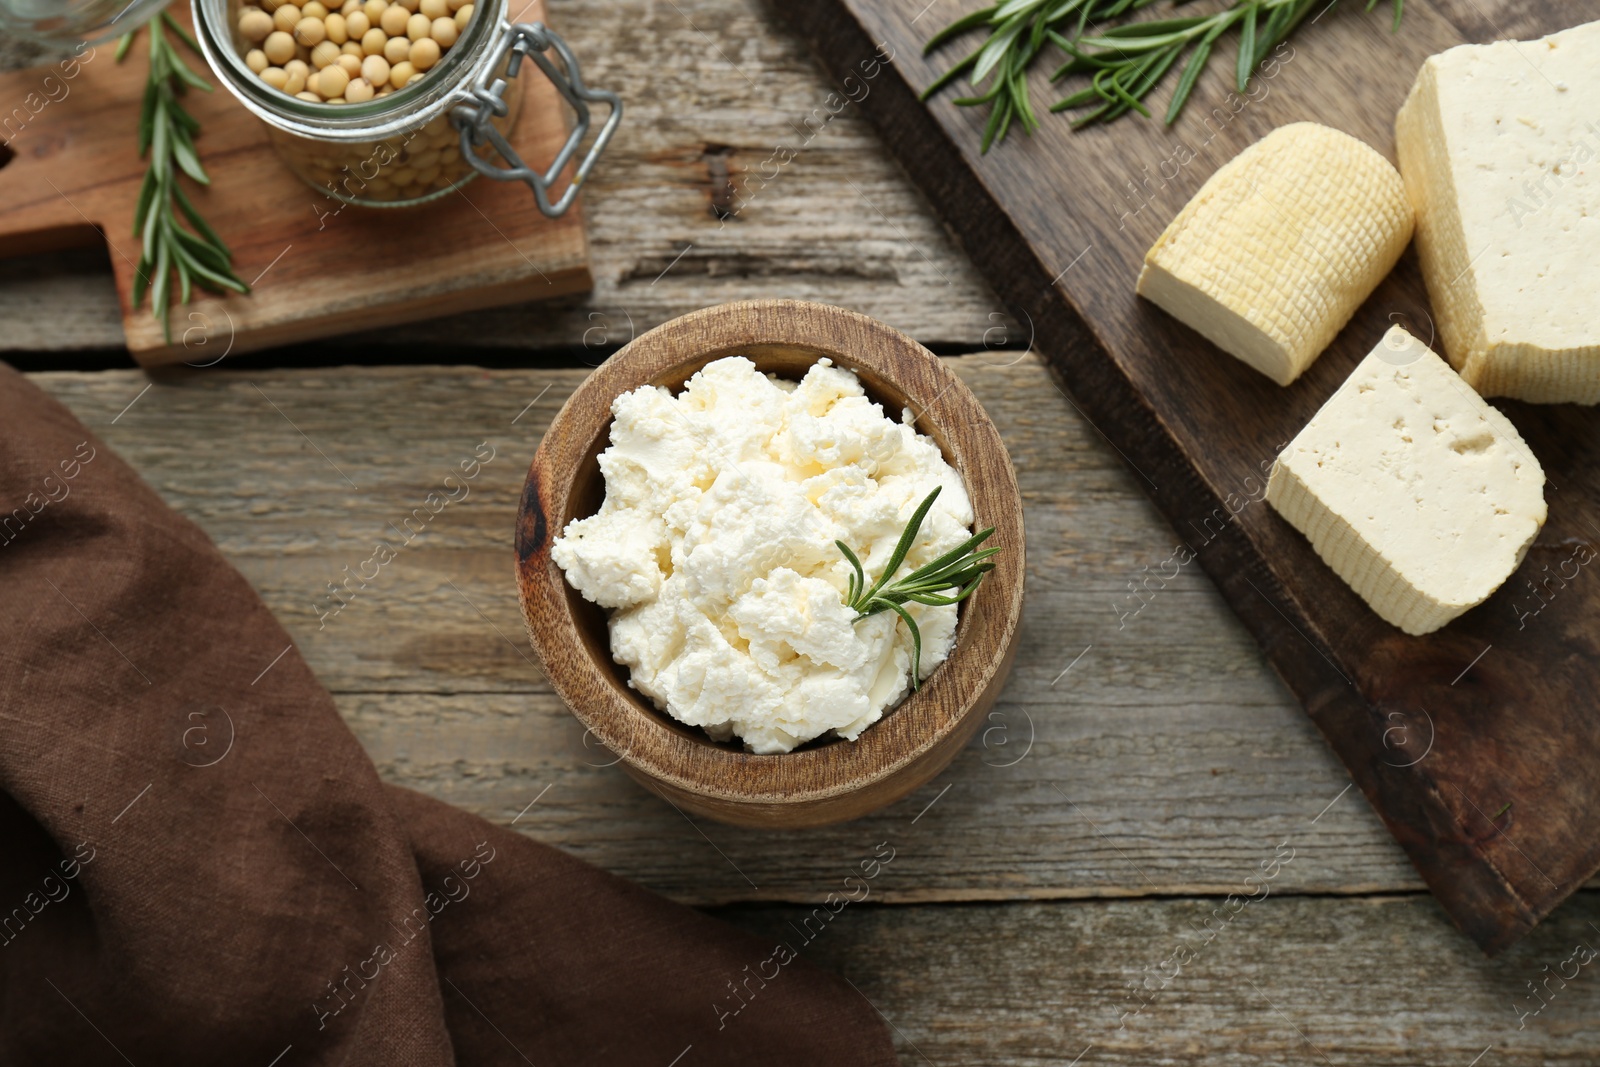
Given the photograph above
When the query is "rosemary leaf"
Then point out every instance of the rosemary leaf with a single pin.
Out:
(1153, 34)
(907, 539)
(949, 76)
(1191, 74)
(957, 28)
(997, 48)
(188, 162)
(185, 36)
(916, 640)
(1247, 50)
(1399, 11)
(857, 578)
(200, 224)
(161, 286)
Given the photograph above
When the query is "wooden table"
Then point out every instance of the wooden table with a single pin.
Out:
(1138, 768)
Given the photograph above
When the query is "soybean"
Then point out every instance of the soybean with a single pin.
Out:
(331, 82)
(310, 32)
(278, 48)
(339, 51)
(424, 53)
(254, 25)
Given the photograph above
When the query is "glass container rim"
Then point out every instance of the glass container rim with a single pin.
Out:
(374, 119)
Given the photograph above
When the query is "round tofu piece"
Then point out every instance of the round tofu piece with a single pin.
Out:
(1281, 246)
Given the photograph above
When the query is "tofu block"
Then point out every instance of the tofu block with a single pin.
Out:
(1275, 253)
(1498, 145)
(1417, 493)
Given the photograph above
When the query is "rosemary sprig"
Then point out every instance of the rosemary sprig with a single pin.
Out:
(1018, 32)
(961, 569)
(166, 134)
(1123, 62)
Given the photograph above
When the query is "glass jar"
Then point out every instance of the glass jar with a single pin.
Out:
(430, 137)
(61, 23)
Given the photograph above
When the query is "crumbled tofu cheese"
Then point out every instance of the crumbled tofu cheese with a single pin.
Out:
(1280, 247)
(1500, 148)
(1413, 489)
(715, 550)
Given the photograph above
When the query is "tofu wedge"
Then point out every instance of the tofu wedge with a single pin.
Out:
(1417, 492)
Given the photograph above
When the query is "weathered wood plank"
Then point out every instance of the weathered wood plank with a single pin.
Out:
(695, 203)
(62, 301)
(1164, 753)
(1152, 802)
(1373, 982)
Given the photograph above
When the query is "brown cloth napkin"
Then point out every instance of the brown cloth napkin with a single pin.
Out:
(201, 866)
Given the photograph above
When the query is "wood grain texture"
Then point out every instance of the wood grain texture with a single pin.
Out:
(1166, 742)
(1377, 982)
(681, 213)
(831, 781)
(1180, 761)
(316, 267)
(1492, 702)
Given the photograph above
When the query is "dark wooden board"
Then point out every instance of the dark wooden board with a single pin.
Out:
(1478, 745)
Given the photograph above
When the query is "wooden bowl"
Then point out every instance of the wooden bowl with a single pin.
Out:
(823, 781)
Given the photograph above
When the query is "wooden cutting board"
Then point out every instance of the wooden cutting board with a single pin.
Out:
(72, 176)
(1479, 745)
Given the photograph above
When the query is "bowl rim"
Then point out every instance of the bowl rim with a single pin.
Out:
(771, 331)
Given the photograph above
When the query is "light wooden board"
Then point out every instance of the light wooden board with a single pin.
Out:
(712, 89)
(316, 267)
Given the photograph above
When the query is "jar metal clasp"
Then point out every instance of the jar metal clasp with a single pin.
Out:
(486, 100)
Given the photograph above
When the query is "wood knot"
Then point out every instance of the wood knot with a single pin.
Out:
(719, 181)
